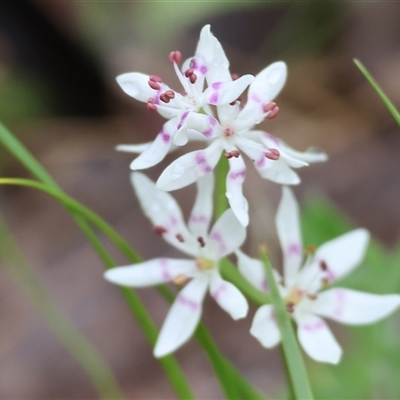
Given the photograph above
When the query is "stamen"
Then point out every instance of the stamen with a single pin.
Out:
(325, 281)
(155, 78)
(150, 104)
(228, 132)
(154, 85)
(180, 279)
(233, 153)
(159, 230)
(193, 78)
(272, 108)
(290, 307)
(189, 72)
(323, 265)
(235, 77)
(273, 154)
(167, 96)
(201, 241)
(180, 237)
(309, 250)
(311, 296)
(175, 56)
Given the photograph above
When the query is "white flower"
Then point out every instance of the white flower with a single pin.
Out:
(232, 132)
(209, 62)
(225, 237)
(301, 290)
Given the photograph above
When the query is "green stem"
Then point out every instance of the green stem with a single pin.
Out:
(379, 91)
(291, 350)
(221, 202)
(79, 347)
(229, 272)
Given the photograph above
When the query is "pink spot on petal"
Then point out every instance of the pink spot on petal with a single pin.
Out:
(200, 219)
(239, 175)
(313, 327)
(216, 85)
(165, 274)
(213, 98)
(187, 302)
(208, 133)
(340, 295)
(203, 69)
(261, 162)
(256, 98)
(220, 289)
(219, 241)
(293, 249)
(183, 117)
(165, 137)
(202, 163)
(213, 121)
(330, 275)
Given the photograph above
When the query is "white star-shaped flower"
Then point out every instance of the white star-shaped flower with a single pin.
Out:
(209, 63)
(225, 237)
(232, 132)
(302, 287)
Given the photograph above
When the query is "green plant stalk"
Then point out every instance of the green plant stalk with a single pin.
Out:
(291, 350)
(221, 202)
(379, 91)
(79, 347)
(170, 366)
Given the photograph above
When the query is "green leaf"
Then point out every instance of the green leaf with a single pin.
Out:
(294, 361)
(379, 91)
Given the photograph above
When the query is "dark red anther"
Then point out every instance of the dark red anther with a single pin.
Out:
(323, 265)
(193, 78)
(189, 72)
(150, 104)
(159, 230)
(311, 296)
(273, 154)
(235, 153)
(155, 78)
(235, 77)
(180, 237)
(175, 56)
(167, 96)
(290, 307)
(272, 109)
(201, 241)
(154, 85)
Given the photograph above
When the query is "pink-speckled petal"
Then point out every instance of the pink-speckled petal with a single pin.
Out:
(190, 167)
(228, 297)
(183, 317)
(164, 212)
(287, 223)
(149, 273)
(342, 254)
(226, 92)
(353, 307)
(264, 327)
(227, 235)
(317, 339)
(157, 150)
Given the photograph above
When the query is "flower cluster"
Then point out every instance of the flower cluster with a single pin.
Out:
(215, 116)
(211, 112)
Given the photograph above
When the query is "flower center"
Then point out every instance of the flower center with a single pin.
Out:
(204, 264)
(295, 296)
(228, 132)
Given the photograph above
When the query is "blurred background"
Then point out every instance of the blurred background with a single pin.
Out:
(58, 95)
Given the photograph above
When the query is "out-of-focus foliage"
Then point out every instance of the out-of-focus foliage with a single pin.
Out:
(370, 366)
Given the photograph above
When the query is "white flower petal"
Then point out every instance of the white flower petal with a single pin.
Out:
(149, 273)
(280, 172)
(182, 318)
(287, 223)
(227, 234)
(265, 87)
(343, 254)
(264, 327)
(200, 217)
(226, 92)
(353, 307)
(234, 190)
(311, 155)
(206, 125)
(133, 148)
(163, 211)
(317, 339)
(190, 167)
(158, 149)
(253, 270)
(228, 297)
(136, 85)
